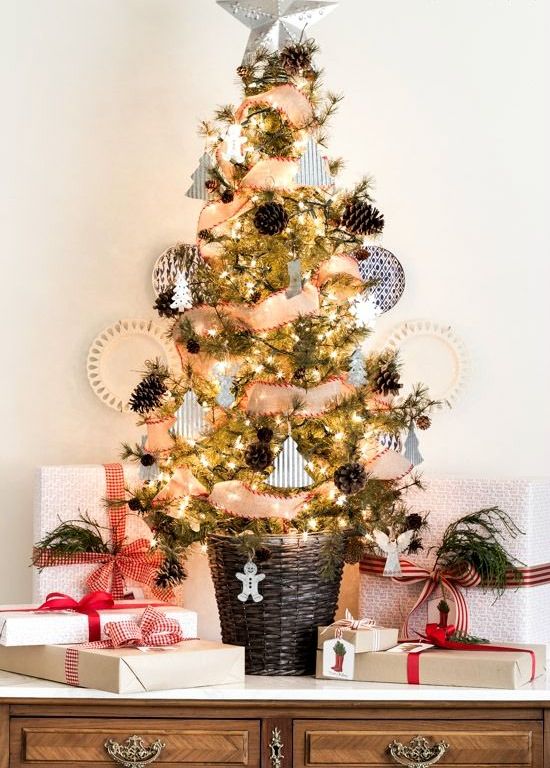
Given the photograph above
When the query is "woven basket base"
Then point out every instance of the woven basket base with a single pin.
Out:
(280, 632)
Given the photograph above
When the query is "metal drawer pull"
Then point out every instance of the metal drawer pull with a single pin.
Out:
(417, 753)
(133, 753)
(276, 749)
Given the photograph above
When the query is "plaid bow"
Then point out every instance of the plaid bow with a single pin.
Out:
(154, 631)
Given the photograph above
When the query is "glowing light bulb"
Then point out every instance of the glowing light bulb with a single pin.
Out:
(339, 436)
(340, 501)
(231, 465)
(204, 549)
(312, 523)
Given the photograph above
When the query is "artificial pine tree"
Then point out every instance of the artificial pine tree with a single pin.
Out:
(271, 364)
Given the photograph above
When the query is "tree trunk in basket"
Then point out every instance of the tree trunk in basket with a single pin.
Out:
(279, 633)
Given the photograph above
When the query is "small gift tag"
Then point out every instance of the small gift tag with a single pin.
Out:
(411, 647)
(338, 659)
(295, 275)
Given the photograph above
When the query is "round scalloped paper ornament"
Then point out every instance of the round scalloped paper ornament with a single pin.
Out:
(432, 354)
(116, 358)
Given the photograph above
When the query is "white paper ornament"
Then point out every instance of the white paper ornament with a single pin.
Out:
(182, 294)
(313, 168)
(233, 148)
(295, 278)
(289, 468)
(250, 579)
(225, 374)
(357, 371)
(200, 175)
(189, 417)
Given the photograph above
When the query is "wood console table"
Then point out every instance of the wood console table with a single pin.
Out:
(274, 723)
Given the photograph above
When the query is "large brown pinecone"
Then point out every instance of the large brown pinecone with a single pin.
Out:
(270, 219)
(148, 394)
(354, 550)
(386, 379)
(258, 455)
(295, 57)
(350, 478)
(163, 304)
(170, 573)
(362, 218)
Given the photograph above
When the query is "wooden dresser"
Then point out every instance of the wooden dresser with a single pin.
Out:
(274, 723)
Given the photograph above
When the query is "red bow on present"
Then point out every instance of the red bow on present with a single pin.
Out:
(441, 638)
(93, 601)
(154, 630)
(134, 561)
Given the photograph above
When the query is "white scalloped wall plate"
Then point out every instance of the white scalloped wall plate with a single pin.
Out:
(432, 354)
(117, 356)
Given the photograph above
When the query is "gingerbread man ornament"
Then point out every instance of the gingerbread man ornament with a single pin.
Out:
(250, 579)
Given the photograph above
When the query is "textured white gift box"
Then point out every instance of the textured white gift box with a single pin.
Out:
(59, 627)
(64, 493)
(520, 615)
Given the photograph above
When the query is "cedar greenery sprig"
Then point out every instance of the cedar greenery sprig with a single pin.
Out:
(476, 539)
(466, 639)
(73, 536)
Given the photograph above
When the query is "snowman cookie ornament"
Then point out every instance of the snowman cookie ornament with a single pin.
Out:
(250, 579)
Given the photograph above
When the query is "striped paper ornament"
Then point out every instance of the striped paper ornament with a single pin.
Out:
(412, 449)
(198, 190)
(289, 469)
(189, 417)
(313, 169)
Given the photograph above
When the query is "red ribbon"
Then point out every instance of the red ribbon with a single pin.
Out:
(155, 630)
(134, 561)
(440, 637)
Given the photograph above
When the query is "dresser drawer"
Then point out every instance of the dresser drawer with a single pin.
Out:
(358, 743)
(69, 743)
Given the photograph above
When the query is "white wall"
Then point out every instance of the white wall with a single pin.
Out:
(445, 104)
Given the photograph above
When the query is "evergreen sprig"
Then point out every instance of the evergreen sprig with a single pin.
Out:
(476, 540)
(73, 536)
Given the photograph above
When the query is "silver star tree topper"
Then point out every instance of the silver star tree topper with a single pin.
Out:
(274, 23)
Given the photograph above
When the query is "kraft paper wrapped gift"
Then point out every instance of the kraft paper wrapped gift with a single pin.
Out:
(372, 639)
(189, 664)
(31, 627)
(473, 669)
(520, 614)
(63, 493)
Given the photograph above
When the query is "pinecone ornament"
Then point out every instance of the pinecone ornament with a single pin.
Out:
(362, 218)
(147, 460)
(350, 478)
(413, 521)
(295, 58)
(170, 573)
(258, 456)
(227, 196)
(135, 505)
(386, 380)
(193, 346)
(354, 550)
(423, 422)
(262, 554)
(148, 394)
(270, 219)
(164, 302)
(264, 434)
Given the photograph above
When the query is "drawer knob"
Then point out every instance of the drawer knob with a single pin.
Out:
(417, 753)
(133, 753)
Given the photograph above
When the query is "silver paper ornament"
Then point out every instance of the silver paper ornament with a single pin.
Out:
(198, 190)
(295, 278)
(189, 417)
(412, 449)
(313, 168)
(289, 469)
(357, 371)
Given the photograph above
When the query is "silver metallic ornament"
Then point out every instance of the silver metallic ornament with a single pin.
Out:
(274, 23)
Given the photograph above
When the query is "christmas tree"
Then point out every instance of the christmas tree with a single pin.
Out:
(270, 340)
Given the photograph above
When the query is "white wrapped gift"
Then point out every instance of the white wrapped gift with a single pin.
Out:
(24, 625)
(521, 614)
(64, 493)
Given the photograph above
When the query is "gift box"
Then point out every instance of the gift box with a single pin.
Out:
(438, 666)
(522, 613)
(63, 493)
(369, 639)
(188, 664)
(24, 625)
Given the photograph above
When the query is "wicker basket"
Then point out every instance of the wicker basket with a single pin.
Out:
(280, 632)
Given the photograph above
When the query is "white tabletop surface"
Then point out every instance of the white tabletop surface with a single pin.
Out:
(294, 689)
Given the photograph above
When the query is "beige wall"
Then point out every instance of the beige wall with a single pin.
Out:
(445, 105)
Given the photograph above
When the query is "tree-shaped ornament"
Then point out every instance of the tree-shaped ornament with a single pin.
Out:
(313, 170)
(200, 176)
(148, 466)
(289, 469)
(182, 294)
(189, 417)
(411, 449)
(357, 371)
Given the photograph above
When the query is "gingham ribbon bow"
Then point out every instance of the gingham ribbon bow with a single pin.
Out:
(154, 631)
(431, 580)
